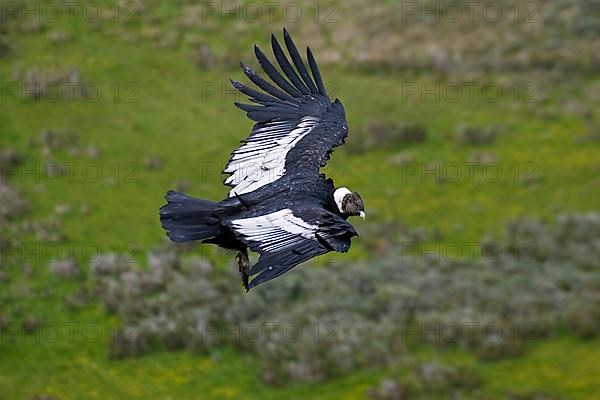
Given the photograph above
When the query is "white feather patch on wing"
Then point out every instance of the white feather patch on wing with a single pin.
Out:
(261, 160)
(275, 231)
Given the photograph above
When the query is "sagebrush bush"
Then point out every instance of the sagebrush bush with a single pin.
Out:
(9, 160)
(60, 83)
(574, 238)
(389, 389)
(65, 269)
(59, 139)
(59, 37)
(383, 134)
(474, 135)
(582, 317)
(154, 162)
(5, 44)
(12, 203)
(204, 57)
(42, 397)
(383, 37)
(531, 395)
(426, 380)
(316, 323)
(31, 324)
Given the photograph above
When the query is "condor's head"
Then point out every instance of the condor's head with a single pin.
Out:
(349, 203)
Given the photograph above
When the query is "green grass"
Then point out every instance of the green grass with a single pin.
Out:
(194, 136)
(82, 370)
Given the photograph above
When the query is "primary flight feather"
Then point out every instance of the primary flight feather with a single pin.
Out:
(279, 204)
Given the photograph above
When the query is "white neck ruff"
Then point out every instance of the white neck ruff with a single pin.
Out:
(339, 195)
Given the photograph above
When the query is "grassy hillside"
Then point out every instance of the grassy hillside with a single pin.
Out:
(164, 118)
(193, 132)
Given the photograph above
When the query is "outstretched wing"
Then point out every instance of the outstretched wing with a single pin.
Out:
(297, 125)
(284, 240)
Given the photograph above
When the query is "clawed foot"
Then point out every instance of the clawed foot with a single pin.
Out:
(244, 267)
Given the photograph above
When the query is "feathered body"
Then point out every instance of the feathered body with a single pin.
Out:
(279, 205)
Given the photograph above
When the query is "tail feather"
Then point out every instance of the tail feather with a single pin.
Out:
(186, 218)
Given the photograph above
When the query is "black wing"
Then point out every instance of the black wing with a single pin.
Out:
(284, 239)
(297, 125)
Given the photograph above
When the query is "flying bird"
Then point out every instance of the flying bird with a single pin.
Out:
(280, 205)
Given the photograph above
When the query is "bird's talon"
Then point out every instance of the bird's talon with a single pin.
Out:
(244, 268)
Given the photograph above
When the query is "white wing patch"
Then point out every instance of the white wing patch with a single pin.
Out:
(261, 160)
(275, 231)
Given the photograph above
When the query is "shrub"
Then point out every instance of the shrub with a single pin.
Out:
(379, 134)
(59, 37)
(93, 152)
(444, 378)
(389, 389)
(58, 139)
(11, 157)
(170, 40)
(31, 324)
(483, 158)
(329, 321)
(43, 397)
(203, 56)
(61, 83)
(531, 395)
(78, 300)
(9, 160)
(127, 342)
(471, 135)
(154, 162)
(12, 203)
(67, 269)
(572, 238)
(5, 44)
(426, 380)
(401, 158)
(583, 317)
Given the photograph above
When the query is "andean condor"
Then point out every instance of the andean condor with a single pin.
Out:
(280, 205)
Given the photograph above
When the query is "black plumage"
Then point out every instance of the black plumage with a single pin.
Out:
(279, 205)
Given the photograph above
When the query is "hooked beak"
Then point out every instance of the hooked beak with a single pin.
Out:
(362, 215)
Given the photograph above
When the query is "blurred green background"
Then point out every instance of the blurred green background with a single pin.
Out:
(473, 141)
